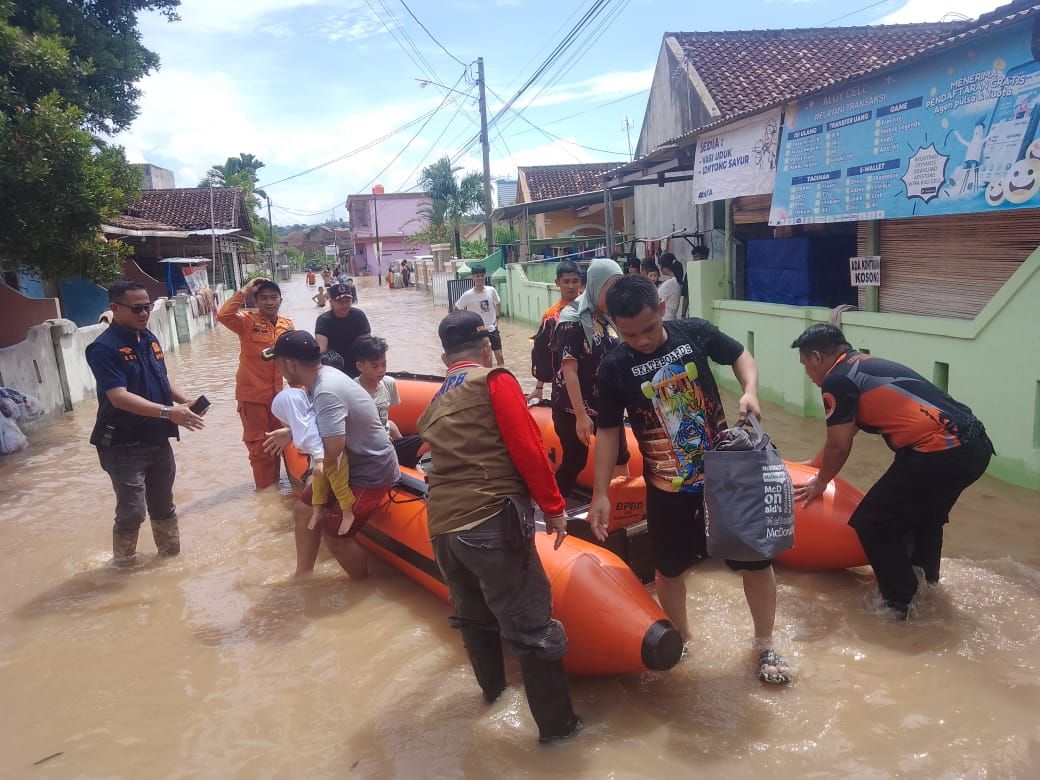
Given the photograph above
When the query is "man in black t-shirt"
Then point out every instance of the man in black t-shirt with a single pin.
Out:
(340, 328)
(661, 375)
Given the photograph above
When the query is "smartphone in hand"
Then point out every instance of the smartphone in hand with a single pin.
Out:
(200, 405)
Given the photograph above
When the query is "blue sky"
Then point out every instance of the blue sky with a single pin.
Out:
(301, 82)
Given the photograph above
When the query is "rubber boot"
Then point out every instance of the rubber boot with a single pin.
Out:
(485, 655)
(124, 548)
(549, 698)
(167, 537)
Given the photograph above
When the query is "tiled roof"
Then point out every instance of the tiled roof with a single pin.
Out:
(186, 209)
(557, 181)
(745, 71)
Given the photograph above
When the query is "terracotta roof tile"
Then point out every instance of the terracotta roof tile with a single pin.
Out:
(744, 71)
(187, 209)
(557, 181)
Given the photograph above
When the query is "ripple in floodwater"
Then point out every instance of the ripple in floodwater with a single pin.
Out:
(217, 664)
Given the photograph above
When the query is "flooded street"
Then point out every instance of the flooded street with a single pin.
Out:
(217, 665)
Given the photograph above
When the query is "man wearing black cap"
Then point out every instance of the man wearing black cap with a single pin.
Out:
(257, 382)
(340, 328)
(941, 448)
(348, 422)
(488, 462)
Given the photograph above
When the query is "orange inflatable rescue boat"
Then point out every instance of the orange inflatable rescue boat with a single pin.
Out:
(613, 624)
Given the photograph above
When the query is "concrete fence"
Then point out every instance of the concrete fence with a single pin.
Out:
(51, 364)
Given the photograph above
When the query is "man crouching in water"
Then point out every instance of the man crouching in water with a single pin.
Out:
(488, 462)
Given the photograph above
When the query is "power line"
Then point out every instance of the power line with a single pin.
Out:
(853, 13)
(586, 19)
(555, 137)
(433, 146)
(411, 140)
(353, 152)
(432, 38)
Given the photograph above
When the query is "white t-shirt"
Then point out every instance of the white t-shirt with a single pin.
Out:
(670, 292)
(483, 303)
(293, 408)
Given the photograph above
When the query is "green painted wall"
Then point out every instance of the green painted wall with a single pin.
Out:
(992, 362)
(529, 299)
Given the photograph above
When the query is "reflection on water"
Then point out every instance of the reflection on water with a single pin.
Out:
(217, 664)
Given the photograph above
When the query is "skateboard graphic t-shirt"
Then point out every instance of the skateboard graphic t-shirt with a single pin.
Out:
(672, 400)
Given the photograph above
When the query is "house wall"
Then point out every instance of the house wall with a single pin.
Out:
(557, 224)
(676, 106)
(993, 361)
(20, 313)
(396, 215)
(83, 300)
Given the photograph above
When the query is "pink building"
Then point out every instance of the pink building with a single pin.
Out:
(397, 216)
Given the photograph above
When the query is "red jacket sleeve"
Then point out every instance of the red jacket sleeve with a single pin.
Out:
(524, 443)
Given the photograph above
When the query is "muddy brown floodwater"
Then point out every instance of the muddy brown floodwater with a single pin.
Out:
(217, 665)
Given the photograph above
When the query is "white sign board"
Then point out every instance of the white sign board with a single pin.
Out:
(331, 251)
(737, 160)
(866, 271)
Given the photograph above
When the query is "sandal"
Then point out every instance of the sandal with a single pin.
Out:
(771, 660)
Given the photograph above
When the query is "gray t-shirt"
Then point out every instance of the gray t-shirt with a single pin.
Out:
(385, 396)
(341, 406)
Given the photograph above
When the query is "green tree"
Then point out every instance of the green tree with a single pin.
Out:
(451, 199)
(67, 72)
(241, 172)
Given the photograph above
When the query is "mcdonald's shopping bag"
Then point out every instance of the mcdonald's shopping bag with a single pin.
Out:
(748, 498)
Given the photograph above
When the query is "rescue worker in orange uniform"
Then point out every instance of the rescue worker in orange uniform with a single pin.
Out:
(257, 381)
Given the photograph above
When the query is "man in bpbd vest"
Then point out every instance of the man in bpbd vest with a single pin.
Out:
(482, 479)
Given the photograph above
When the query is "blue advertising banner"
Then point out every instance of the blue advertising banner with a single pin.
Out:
(954, 133)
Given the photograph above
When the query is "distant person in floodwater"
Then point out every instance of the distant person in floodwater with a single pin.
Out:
(320, 298)
(139, 410)
(940, 449)
(484, 301)
(257, 382)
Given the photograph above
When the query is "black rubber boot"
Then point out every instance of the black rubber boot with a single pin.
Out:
(549, 698)
(485, 655)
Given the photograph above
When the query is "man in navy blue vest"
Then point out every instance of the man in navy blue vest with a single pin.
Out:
(139, 409)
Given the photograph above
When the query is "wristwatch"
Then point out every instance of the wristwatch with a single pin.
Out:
(164, 412)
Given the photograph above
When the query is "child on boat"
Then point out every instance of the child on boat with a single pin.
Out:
(320, 298)
(295, 410)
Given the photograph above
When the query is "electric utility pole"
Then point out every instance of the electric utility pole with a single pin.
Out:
(489, 230)
(628, 133)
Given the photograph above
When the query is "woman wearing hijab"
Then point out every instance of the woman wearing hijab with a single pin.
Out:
(582, 337)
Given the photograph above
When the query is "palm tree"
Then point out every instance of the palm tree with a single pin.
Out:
(451, 199)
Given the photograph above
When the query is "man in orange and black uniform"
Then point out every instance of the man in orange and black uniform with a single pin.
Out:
(941, 448)
(257, 381)
(488, 461)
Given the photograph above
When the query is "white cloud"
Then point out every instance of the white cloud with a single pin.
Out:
(935, 10)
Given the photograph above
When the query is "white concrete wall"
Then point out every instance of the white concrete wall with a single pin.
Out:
(32, 367)
(72, 346)
(51, 364)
